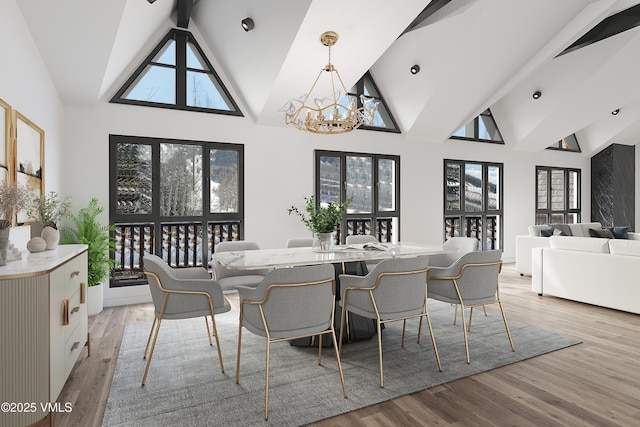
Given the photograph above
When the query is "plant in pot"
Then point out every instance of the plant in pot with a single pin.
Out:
(86, 229)
(13, 198)
(47, 210)
(322, 222)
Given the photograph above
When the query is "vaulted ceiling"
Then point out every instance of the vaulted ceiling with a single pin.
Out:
(473, 55)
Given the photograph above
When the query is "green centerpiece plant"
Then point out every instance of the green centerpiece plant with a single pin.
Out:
(323, 221)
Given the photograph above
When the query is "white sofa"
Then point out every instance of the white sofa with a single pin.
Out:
(524, 244)
(602, 272)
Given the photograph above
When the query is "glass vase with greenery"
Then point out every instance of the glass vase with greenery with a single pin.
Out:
(88, 230)
(323, 220)
(49, 209)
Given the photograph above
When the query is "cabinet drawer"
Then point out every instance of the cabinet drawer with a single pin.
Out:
(75, 275)
(72, 349)
(74, 313)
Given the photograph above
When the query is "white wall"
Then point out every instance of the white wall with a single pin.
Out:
(77, 144)
(27, 87)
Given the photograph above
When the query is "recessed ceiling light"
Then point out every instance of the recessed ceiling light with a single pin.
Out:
(247, 24)
(415, 69)
(615, 112)
(537, 94)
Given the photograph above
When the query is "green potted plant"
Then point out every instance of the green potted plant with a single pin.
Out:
(322, 222)
(47, 210)
(86, 229)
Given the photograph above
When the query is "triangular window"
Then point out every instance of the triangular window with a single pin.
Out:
(569, 143)
(383, 119)
(483, 128)
(178, 75)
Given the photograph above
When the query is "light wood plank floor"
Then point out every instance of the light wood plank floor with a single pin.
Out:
(596, 383)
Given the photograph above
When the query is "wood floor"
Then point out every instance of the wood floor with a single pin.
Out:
(596, 383)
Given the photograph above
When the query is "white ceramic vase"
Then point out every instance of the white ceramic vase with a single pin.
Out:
(95, 299)
(51, 236)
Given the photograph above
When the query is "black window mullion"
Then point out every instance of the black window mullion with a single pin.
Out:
(181, 68)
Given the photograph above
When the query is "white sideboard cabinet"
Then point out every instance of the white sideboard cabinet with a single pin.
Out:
(43, 329)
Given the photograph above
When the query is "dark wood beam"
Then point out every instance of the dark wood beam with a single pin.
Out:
(184, 12)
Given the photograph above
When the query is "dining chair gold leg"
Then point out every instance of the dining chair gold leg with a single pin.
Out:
(239, 346)
(484, 308)
(455, 314)
(419, 329)
(380, 354)
(464, 331)
(153, 325)
(342, 320)
(335, 347)
(470, 318)
(266, 388)
(404, 327)
(433, 342)
(206, 322)
(506, 326)
(319, 349)
(215, 334)
(155, 337)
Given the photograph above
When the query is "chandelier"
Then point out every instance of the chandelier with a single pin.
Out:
(333, 114)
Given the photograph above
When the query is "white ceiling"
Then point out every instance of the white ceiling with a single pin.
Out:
(473, 55)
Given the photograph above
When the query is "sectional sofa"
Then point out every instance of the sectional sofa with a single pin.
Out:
(598, 271)
(525, 243)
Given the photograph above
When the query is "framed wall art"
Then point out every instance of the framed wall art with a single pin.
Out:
(29, 157)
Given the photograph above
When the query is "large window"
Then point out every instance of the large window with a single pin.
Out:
(172, 198)
(557, 195)
(373, 183)
(178, 75)
(482, 129)
(473, 202)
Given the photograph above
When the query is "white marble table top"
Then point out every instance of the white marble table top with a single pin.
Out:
(288, 257)
(34, 264)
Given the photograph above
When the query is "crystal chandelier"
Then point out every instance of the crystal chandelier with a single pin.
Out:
(329, 114)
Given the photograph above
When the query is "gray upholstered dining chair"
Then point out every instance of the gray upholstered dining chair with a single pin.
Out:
(454, 248)
(300, 242)
(181, 294)
(229, 279)
(396, 289)
(290, 303)
(471, 281)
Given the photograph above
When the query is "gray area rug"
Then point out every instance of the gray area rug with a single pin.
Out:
(185, 385)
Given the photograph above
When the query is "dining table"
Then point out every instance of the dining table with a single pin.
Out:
(346, 259)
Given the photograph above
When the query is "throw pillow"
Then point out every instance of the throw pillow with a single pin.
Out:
(547, 233)
(566, 230)
(603, 234)
(620, 232)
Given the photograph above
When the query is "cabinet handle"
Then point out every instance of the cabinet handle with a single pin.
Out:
(83, 293)
(75, 345)
(65, 312)
(75, 273)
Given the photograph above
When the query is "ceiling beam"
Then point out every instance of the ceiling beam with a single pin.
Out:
(184, 13)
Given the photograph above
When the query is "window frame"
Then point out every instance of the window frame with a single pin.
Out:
(462, 214)
(567, 211)
(476, 130)
(375, 214)
(155, 218)
(182, 38)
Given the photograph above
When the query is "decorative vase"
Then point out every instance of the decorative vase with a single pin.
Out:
(35, 229)
(322, 242)
(4, 244)
(51, 236)
(95, 299)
